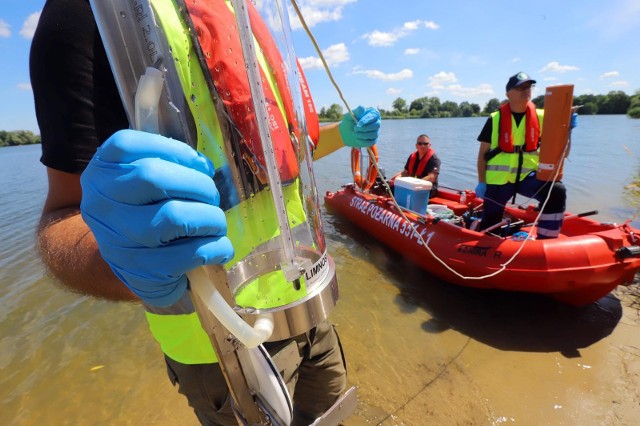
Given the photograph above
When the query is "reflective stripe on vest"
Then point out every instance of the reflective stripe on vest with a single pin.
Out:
(177, 328)
(503, 168)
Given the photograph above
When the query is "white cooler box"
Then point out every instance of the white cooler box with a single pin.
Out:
(412, 193)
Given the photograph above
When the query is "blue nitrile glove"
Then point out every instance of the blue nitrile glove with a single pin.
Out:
(364, 133)
(481, 188)
(152, 206)
(574, 120)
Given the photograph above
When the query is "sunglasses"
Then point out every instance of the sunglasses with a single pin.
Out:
(422, 143)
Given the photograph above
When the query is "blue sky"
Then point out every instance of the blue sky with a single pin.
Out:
(379, 50)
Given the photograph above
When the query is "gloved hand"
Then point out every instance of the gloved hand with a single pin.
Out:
(481, 188)
(152, 206)
(364, 133)
(574, 120)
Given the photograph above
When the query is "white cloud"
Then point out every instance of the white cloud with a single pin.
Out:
(468, 92)
(310, 63)
(620, 83)
(379, 38)
(379, 75)
(610, 74)
(5, 28)
(24, 86)
(514, 60)
(555, 66)
(334, 55)
(392, 91)
(384, 39)
(29, 25)
(430, 25)
(317, 11)
(411, 51)
(447, 82)
(439, 80)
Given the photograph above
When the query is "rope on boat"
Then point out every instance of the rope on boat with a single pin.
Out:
(388, 189)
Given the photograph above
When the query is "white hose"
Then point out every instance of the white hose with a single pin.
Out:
(146, 100)
(251, 337)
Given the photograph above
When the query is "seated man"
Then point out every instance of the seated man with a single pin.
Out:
(422, 164)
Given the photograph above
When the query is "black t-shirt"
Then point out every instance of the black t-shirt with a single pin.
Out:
(76, 98)
(485, 134)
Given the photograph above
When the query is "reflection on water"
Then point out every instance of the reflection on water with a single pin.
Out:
(420, 351)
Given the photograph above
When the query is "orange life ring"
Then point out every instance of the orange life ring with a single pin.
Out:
(372, 174)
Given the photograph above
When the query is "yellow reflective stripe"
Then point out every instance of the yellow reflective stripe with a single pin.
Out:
(182, 338)
(194, 85)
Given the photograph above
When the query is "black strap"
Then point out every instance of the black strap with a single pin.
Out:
(520, 162)
(492, 153)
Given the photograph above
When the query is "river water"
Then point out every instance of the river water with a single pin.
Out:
(420, 351)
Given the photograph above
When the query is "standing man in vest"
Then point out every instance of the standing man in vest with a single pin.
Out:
(153, 211)
(508, 160)
(422, 164)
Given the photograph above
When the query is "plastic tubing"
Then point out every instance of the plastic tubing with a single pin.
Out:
(146, 100)
(251, 337)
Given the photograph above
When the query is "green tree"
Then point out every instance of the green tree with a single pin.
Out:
(334, 113)
(432, 107)
(18, 137)
(400, 105)
(492, 105)
(634, 106)
(466, 110)
(417, 105)
(615, 102)
(449, 109)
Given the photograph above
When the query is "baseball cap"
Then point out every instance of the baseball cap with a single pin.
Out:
(518, 80)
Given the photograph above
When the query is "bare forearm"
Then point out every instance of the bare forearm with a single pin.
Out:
(482, 163)
(432, 176)
(70, 252)
(482, 171)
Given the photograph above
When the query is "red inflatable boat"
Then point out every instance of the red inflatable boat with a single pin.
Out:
(585, 263)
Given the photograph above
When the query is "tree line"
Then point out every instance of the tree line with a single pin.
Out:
(18, 137)
(614, 102)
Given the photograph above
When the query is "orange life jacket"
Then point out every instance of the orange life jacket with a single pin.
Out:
(532, 131)
(221, 48)
(422, 163)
